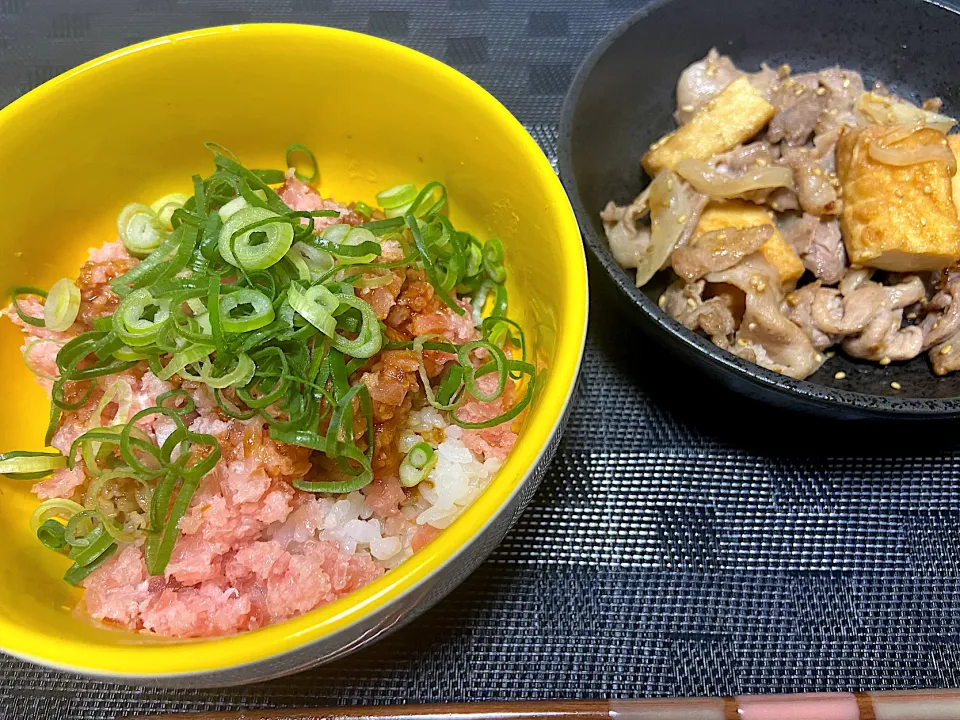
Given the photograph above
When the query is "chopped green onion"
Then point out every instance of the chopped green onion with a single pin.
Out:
(62, 306)
(55, 507)
(244, 310)
(370, 335)
(78, 573)
(232, 208)
(16, 292)
(492, 258)
(140, 229)
(359, 237)
(180, 360)
(83, 529)
(382, 227)
(396, 196)
(362, 209)
(241, 374)
(50, 533)
(118, 392)
(295, 148)
(27, 465)
(166, 206)
(316, 305)
(418, 463)
(255, 238)
(188, 403)
(140, 317)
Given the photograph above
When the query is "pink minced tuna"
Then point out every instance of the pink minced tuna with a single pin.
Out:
(252, 549)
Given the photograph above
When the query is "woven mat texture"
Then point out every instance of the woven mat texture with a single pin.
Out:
(683, 542)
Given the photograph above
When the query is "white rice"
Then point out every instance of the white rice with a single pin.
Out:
(456, 480)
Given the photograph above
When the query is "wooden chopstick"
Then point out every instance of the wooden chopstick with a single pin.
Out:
(898, 705)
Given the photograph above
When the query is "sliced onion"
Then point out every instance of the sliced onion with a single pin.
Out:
(874, 109)
(708, 181)
(900, 157)
(669, 213)
(62, 305)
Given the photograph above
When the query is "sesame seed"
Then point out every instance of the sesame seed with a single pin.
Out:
(761, 162)
(818, 172)
(711, 71)
(923, 221)
(831, 354)
(687, 108)
(818, 357)
(669, 184)
(895, 385)
(833, 111)
(799, 91)
(752, 326)
(662, 301)
(840, 375)
(945, 350)
(683, 218)
(884, 361)
(742, 342)
(821, 91)
(911, 316)
(927, 189)
(846, 82)
(691, 303)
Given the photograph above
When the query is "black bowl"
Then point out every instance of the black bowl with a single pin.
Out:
(622, 100)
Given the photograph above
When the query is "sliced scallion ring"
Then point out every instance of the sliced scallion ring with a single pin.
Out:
(418, 463)
(245, 310)
(62, 306)
(255, 238)
(26, 465)
(140, 317)
(396, 196)
(166, 206)
(292, 152)
(140, 229)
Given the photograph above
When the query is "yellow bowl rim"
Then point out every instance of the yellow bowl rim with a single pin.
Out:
(173, 660)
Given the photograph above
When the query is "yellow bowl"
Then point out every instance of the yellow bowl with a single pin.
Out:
(130, 126)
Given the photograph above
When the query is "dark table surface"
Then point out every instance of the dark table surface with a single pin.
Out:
(684, 541)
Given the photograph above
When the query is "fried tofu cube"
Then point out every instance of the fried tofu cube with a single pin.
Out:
(740, 214)
(954, 142)
(731, 118)
(899, 218)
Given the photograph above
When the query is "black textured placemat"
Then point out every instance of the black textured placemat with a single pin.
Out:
(684, 542)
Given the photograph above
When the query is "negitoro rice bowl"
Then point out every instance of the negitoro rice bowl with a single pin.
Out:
(263, 398)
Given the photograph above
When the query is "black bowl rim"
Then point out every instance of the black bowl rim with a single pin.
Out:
(824, 398)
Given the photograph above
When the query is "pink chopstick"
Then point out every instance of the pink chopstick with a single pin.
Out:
(899, 705)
